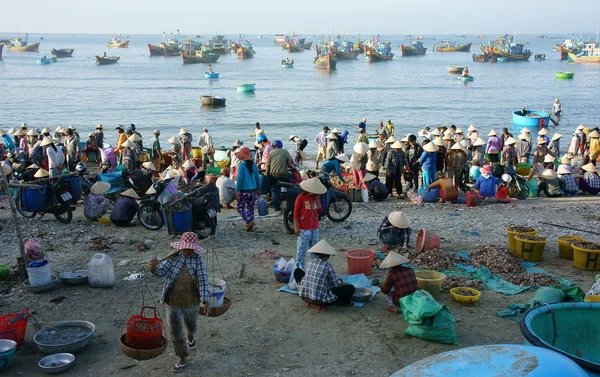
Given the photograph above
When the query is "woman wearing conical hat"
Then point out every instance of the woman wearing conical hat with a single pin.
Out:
(590, 182)
(125, 208)
(394, 231)
(399, 282)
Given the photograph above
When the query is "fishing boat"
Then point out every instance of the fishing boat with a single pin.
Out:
(343, 55)
(211, 75)
(570, 46)
(466, 78)
(106, 60)
(376, 55)
(539, 57)
(325, 60)
(415, 49)
(169, 50)
(501, 60)
(1, 48)
(481, 58)
(244, 52)
(156, 50)
(62, 52)
(198, 57)
(116, 42)
(280, 38)
(447, 46)
(246, 88)
(590, 54)
(292, 47)
(219, 48)
(454, 68)
(506, 47)
(532, 118)
(219, 38)
(212, 101)
(307, 45)
(287, 63)
(44, 60)
(20, 45)
(564, 75)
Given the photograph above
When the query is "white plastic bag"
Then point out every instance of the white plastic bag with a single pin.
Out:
(290, 265)
(293, 284)
(281, 264)
(365, 195)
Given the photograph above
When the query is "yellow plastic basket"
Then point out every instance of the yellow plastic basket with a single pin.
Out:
(431, 281)
(465, 299)
(586, 259)
(564, 246)
(512, 246)
(529, 250)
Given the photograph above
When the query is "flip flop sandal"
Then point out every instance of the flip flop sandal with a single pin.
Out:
(177, 368)
(191, 345)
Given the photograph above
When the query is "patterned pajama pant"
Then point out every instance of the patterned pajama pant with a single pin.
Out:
(245, 206)
(306, 240)
(177, 318)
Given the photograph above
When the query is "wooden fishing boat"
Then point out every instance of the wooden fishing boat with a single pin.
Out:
(211, 75)
(116, 42)
(326, 61)
(198, 58)
(307, 45)
(62, 52)
(503, 54)
(246, 88)
(291, 47)
(219, 49)
(245, 52)
(506, 47)
(20, 45)
(280, 38)
(43, 60)
(454, 68)
(531, 118)
(570, 46)
(212, 101)
(564, 75)
(156, 50)
(287, 65)
(481, 58)
(343, 55)
(106, 60)
(416, 49)
(590, 54)
(170, 50)
(372, 55)
(448, 46)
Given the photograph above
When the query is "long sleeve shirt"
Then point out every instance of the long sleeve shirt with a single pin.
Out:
(332, 166)
(24, 145)
(125, 209)
(321, 138)
(247, 181)
(318, 281)
(403, 279)
(278, 162)
(172, 267)
(154, 148)
(395, 162)
(523, 148)
(427, 160)
(494, 145)
(98, 138)
(205, 142)
(332, 149)
(374, 160)
(120, 140)
(359, 161)
(56, 157)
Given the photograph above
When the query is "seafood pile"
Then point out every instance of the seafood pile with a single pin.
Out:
(452, 281)
(436, 259)
(497, 259)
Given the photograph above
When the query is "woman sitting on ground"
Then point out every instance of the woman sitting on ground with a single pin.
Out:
(377, 189)
(446, 189)
(191, 172)
(568, 184)
(486, 184)
(550, 184)
(96, 204)
(590, 182)
(319, 285)
(125, 208)
(400, 281)
(394, 231)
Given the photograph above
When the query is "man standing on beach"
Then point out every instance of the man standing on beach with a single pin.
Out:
(321, 140)
(155, 153)
(208, 150)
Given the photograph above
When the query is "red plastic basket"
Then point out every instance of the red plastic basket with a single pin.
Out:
(142, 332)
(13, 326)
(360, 261)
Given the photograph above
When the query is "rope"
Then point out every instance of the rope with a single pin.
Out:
(131, 306)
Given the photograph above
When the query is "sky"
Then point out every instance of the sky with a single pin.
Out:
(306, 16)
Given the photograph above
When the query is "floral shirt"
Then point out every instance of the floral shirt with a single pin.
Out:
(95, 206)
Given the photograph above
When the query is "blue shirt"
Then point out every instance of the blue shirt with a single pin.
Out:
(363, 125)
(247, 181)
(332, 166)
(125, 209)
(428, 160)
(486, 186)
(8, 142)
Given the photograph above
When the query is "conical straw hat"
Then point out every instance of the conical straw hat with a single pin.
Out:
(473, 128)
(479, 142)
(100, 188)
(589, 168)
(556, 137)
(397, 145)
(393, 259)
(390, 140)
(183, 131)
(439, 142)
(492, 133)
(41, 173)
(510, 141)
(399, 219)
(149, 165)
(322, 247)
(174, 141)
(361, 148)
(543, 132)
(430, 147)
(591, 134)
(314, 186)
(549, 174)
(134, 138)
(549, 158)
(369, 177)
(563, 170)
(188, 164)
(130, 194)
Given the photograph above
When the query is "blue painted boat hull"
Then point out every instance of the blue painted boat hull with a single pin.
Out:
(287, 66)
(470, 78)
(214, 75)
(494, 360)
(43, 61)
(577, 331)
(531, 121)
(245, 88)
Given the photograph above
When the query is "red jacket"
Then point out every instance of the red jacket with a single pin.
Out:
(306, 212)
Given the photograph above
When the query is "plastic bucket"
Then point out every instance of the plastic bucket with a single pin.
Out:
(431, 281)
(511, 237)
(14, 326)
(213, 170)
(196, 152)
(586, 259)
(360, 261)
(143, 157)
(179, 221)
(74, 184)
(427, 241)
(91, 156)
(39, 275)
(33, 198)
(529, 250)
(216, 288)
(565, 250)
(7, 353)
(282, 276)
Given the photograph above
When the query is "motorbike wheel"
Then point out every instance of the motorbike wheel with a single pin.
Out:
(288, 221)
(64, 214)
(26, 214)
(519, 190)
(151, 217)
(339, 210)
(205, 226)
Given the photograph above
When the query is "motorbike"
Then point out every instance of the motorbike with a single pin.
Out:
(60, 202)
(87, 181)
(334, 204)
(204, 214)
(517, 185)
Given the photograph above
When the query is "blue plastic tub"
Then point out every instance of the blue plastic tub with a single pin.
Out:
(34, 199)
(74, 187)
(115, 179)
(91, 156)
(179, 221)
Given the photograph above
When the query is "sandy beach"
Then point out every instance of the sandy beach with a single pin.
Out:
(268, 333)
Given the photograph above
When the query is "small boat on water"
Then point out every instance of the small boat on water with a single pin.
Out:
(466, 78)
(447, 46)
(280, 38)
(307, 45)
(532, 118)
(325, 61)
(590, 54)
(246, 88)
(62, 52)
(219, 48)
(570, 46)
(564, 75)
(156, 50)
(506, 47)
(416, 48)
(501, 60)
(44, 60)
(211, 75)
(292, 47)
(287, 63)
(106, 60)
(20, 45)
(212, 101)
(482, 58)
(116, 42)
(340, 54)
(454, 68)
(198, 58)
(245, 52)
(539, 57)
(170, 50)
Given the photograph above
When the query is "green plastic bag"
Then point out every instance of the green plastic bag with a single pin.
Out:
(533, 187)
(121, 167)
(428, 319)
